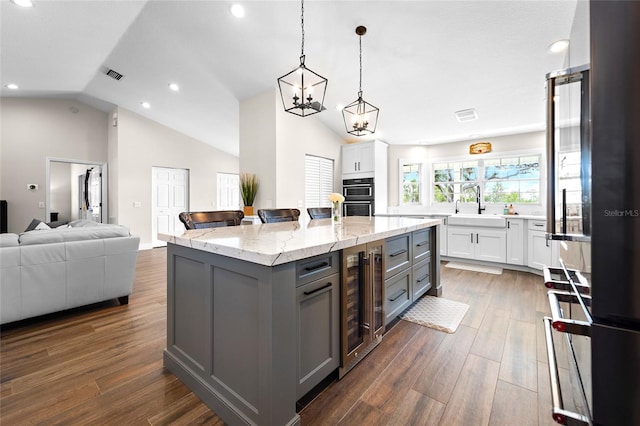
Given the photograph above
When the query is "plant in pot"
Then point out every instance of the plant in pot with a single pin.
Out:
(248, 190)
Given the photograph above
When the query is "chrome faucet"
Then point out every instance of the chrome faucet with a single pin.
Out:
(480, 209)
(457, 211)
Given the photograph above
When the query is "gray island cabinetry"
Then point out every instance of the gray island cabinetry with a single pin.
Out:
(253, 312)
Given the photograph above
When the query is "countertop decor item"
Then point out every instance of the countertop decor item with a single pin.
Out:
(302, 90)
(248, 190)
(336, 211)
(360, 117)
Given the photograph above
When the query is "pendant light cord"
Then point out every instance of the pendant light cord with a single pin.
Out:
(302, 25)
(360, 91)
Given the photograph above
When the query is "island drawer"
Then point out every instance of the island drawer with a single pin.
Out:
(397, 295)
(317, 267)
(421, 278)
(421, 244)
(397, 254)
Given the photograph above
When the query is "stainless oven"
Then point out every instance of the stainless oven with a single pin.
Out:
(358, 189)
(357, 208)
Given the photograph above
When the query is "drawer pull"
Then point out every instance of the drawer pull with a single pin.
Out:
(420, 244)
(393, 299)
(308, 293)
(422, 279)
(398, 253)
(316, 267)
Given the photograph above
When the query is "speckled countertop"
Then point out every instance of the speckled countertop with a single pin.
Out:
(277, 243)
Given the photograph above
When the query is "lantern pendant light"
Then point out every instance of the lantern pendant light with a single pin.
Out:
(360, 117)
(302, 90)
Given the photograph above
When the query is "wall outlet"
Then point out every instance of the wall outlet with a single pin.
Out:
(137, 204)
(41, 204)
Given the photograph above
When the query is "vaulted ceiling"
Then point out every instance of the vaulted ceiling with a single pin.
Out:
(423, 60)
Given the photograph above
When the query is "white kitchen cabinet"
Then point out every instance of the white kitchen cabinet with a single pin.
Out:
(477, 243)
(541, 252)
(515, 241)
(443, 235)
(358, 159)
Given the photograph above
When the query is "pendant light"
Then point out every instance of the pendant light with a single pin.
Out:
(302, 90)
(360, 117)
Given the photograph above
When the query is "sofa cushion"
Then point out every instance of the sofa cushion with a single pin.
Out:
(9, 240)
(73, 234)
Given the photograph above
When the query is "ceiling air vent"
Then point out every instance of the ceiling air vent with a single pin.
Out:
(114, 74)
(466, 115)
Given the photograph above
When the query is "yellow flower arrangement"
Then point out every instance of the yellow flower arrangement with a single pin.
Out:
(336, 198)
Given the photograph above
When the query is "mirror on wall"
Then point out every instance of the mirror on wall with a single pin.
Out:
(76, 189)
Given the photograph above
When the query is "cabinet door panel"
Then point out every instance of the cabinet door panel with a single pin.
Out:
(515, 241)
(461, 242)
(318, 316)
(397, 254)
(491, 246)
(397, 294)
(421, 282)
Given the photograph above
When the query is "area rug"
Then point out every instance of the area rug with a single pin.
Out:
(475, 268)
(436, 312)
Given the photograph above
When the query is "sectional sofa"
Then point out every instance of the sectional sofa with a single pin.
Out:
(50, 270)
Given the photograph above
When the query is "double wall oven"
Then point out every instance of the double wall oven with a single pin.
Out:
(359, 197)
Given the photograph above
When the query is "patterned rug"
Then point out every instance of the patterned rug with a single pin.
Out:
(475, 268)
(436, 312)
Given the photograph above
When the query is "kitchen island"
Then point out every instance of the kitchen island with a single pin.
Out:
(233, 323)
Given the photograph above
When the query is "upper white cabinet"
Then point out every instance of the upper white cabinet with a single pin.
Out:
(515, 241)
(364, 159)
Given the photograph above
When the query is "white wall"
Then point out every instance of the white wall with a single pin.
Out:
(142, 144)
(429, 153)
(273, 144)
(31, 131)
(579, 48)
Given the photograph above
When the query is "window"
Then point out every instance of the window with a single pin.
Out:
(512, 180)
(501, 180)
(455, 181)
(411, 183)
(318, 181)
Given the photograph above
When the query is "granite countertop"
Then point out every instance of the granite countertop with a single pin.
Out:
(277, 243)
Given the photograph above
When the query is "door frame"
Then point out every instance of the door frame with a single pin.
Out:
(105, 181)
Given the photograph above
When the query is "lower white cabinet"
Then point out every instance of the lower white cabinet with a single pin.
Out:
(515, 241)
(541, 252)
(477, 243)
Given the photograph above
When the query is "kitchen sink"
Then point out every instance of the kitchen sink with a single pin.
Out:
(486, 220)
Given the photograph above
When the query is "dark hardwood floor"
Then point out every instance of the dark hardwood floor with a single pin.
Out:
(103, 364)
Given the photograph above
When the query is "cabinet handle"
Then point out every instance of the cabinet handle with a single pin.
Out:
(472, 238)
(316, 267)
(421, 243)
(508, 225)
(327, 285)
(398, 253)
(355, 166)
(539, 225)
(477, 239)
(393, 299)
(423, 278)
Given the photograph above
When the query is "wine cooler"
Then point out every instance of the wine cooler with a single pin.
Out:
(362, 302)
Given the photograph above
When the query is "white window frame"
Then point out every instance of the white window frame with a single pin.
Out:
(481, 181)
(230, 192)
(425, 171)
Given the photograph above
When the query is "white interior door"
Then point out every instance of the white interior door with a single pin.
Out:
(228, 191)
(170, 197)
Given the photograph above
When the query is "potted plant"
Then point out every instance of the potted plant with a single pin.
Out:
(248, 189)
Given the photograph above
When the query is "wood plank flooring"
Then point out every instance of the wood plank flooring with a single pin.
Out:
(102, 365)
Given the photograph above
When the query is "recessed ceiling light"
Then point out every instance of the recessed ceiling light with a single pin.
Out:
(146, 105)
(174, 87)
(22, 3)
(474, 136)
(237, 10)
(559, 46)
(11, 86)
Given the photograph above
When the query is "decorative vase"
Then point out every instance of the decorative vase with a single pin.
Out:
(336, 213)
(248, 210)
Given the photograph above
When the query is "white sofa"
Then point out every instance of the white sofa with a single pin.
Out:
(44, 271)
